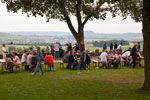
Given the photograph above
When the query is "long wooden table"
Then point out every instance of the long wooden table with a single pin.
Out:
(3, 64)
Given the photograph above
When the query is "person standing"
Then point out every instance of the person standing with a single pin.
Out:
(47, 49)
(69, 47)
(120, 47)
(4, 52)
(134, 55)
(82, 45)
(40, 58)
(76, 47)
(105, 46)
(139, 46)
(52, 50)
(115, 46)
(111, 46)
(12, 49)
(82, 60)
(56, 47)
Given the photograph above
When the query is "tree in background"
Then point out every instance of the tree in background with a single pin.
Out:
(146, 35)
(83, 10)
(139, 10)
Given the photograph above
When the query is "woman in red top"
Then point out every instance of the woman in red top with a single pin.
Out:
(50, 61)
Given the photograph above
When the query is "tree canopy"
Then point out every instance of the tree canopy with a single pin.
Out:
(83, 10)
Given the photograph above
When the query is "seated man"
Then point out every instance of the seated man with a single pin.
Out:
(66, 57)
(103, 58)
(117, 59)
(50, 61)
(9, 64)
(126, 57)
(139, 58)
(88, 58)
(71, 61)
(29, 58)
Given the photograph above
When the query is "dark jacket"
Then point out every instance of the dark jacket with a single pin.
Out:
(66, 58)
(40, 56)
(34, 60)
(134, 52)
(88, 59)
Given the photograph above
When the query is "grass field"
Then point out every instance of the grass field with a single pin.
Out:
(99, 84)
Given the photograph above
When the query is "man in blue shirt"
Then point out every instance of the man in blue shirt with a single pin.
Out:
(40, 58)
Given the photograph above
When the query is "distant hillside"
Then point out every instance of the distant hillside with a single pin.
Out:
(40, 33)
(88, 34)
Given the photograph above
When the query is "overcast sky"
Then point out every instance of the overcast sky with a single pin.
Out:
(12, 22)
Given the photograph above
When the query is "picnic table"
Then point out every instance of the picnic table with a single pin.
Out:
(3, 64)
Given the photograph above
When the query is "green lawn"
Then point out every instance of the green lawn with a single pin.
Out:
(98, 84)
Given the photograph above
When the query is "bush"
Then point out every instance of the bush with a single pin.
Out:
(101, 43)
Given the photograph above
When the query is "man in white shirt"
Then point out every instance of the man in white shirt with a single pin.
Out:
(4, 52)
(103, 58)
(56, 47)
(126, 57)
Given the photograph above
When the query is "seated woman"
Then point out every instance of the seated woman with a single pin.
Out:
(16, 60)
(110, 58)
(117, 59)
(71, 60)
(88, 58)
(24, 59)
(33, 61)
(50, 61)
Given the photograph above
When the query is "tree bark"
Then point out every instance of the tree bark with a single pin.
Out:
(146, 36)
(81, 34)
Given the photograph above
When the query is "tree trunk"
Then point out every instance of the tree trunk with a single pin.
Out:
(146, 36)
(80, 34)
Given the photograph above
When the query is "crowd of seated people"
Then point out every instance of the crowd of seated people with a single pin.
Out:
(28, 58)
(13, 61)
(114, 57)
(77, 57)
(110, 58)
